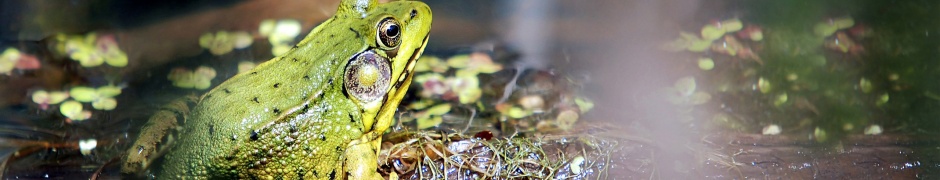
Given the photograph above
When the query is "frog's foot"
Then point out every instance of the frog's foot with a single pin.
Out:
(362, 161)
(156, 137)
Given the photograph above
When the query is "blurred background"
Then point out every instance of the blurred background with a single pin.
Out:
(723, 89)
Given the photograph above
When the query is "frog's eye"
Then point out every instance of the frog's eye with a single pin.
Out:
(389, 34)
(367, 77)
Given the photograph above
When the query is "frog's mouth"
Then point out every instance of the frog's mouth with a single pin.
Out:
(410, 67)
(400, 88)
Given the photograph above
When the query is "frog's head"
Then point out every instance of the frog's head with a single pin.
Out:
(377, 78)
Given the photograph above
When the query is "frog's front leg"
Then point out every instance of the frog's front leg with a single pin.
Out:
(157, 135)
(362, 159)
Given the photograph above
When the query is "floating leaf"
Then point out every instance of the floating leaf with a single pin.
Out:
(86, 145)
(424, 123)
(566, 119)
(752, 32)
(84, 94)
(117, 59)
(8, 60)
(205, 40)
(439, 109)
(482, 63)
(584, 105)
(706, 64)
(763, 85)
(757, 35)
(44, 99)
(731, 25)
(824, 29)
(421, 104)
(471, 95)
(820, 135)
(575, 164)
(266, 27)
(108, 49)
(181, 77)
(104, 104)
(466, 87)
(531, 102)
(287, 28)
(772, 129)
(458, 61)
(109, 91)
(781, 99)
(431, 63)
(221, 43)
(241, 39)
(865, 85)
(883, 99)
(699, 98)
(873, 130)
(685, 86)
(432, 116)
(699, 45)
(73, 110)
(710, 32)
(842, 23)
(279, 49)
(202, 77)
(516, 113)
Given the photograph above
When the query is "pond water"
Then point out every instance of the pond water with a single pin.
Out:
(731, 89)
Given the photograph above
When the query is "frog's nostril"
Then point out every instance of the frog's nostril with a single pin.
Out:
(414, 13)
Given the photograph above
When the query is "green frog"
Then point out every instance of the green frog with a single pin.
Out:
(316, 112)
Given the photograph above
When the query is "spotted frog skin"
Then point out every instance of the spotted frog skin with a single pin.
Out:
(316, 112)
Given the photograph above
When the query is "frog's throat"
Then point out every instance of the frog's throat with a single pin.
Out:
(383, 119)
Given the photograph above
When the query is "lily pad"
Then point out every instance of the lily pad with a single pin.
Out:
(104, 104)
(865, 85)
(109, 91)
(731, 25)
(584, 104)
(710, 32)
(685, 86)
(825, 29)
(83, 94)
(763, 85)
(842, 23)
(73, 110)
(706, 63)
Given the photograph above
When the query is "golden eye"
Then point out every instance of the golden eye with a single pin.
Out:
(389, 34)
(367, 76)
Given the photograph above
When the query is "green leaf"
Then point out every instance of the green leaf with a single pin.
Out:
(104, 104)
(824, 29)
(865, 85)
(700, 45)
(710, 32)
(584, 104)
(685, 85)
(73, 110)
(764, 85)
(458, 61)
(706, 64)
(84, 94)
(842, 23)
(731, 25)
(439, 109)
(109, 91)
(425, 123)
